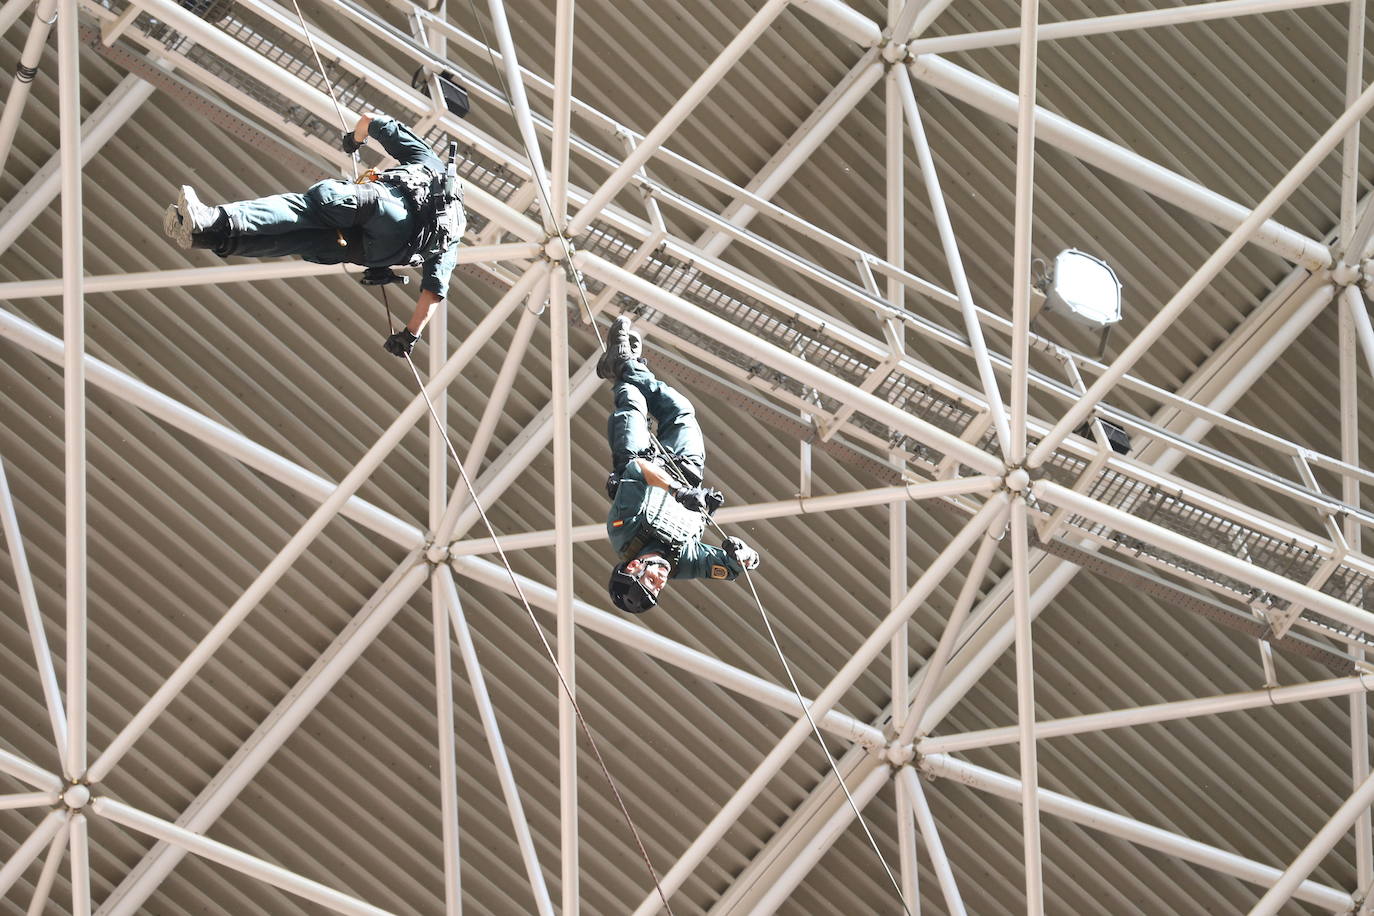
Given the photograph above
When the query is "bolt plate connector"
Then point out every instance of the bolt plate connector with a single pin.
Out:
(77, 797)
(1017, 480)
(1344, 274)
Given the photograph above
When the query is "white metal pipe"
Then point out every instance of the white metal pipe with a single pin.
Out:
(1350, 151)
(852, 88)
(42, 889)
(252, 755)
(163, 279)
(33, 616)
(1157, 712)
(1166, 316)
(1097, 151)
(783, 508)
(1024, 227)
(799, 867)
(906, 845)
(1113, 824)
(1102, 25)
(447, 741)
(935, 665)
(73, 381)
(794, 366)
(921, 16)
(533, 278)
(43, 17)
(524, 123)
(200, 427)
(40, 190)
(1312, 854)
(642, 639)
(268, 577)
(509, 790)
(844, 19)
(30, 848)
(896, 588)
(894, 173)
(939, 860)
(745, 795)
(10, 13)
(225, 855)
(955, 262)
(1190, 549)
(1025, 708)
(511, 365)
(81, 865)
(563, 584)
(560, 147)
(37, 777)
(1364, 330)
(678, 113)
(28, 800)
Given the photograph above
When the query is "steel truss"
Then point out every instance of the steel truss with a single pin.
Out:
(977, 449)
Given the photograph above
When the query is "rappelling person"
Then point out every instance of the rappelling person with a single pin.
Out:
(409, 215)
(659, 508)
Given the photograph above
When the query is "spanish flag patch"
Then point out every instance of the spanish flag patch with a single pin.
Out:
(719, 572)
(617, 523)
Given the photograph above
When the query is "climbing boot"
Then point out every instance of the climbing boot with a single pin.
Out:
(622, 345)
(188, 218)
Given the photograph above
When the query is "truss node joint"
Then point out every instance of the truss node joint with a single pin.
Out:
(897, 754)
(77, 796)
(894, 52)
(1344, 274)
(436, 554)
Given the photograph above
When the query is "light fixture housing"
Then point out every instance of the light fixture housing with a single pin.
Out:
(1085, 288)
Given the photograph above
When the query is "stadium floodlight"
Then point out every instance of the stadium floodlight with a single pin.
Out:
(1085, 288)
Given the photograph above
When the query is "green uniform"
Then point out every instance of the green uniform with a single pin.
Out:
(641, 512)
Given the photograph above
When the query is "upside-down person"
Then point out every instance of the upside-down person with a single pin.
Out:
(659, 509)
(409, 215)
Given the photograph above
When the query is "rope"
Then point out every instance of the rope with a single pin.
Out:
(343, 124)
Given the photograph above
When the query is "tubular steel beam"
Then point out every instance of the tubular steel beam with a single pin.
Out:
(254, 867)
(447, 742)
(43, 17)
(42, 889)
(920, 810)
(30, 848)
(1119, 161)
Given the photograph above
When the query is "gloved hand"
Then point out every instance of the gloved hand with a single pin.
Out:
(349, 144)
(700, 499)
(743, 554)
(400, 343)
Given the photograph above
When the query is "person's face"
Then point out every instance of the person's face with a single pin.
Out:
(652, 572)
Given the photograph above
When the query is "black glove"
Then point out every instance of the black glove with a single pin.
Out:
(400, 343)
(349, 143)
(742, 553)
(381, 276)
(699, 499)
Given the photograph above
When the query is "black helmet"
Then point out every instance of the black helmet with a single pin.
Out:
(627, 591)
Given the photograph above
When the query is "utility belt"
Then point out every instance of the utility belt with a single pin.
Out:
(666, 523)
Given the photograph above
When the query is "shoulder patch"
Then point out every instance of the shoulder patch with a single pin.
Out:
(719, 572)
(617, 523)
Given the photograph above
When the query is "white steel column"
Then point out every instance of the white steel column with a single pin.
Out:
(448, 746)
(524, 839)
(42, 890)
(254, 867)
(843, 18)
(43, 16)
(1025, 225)
(683, 107)
(560, 148)
(30, 848)
(972, 326)
(906, 844)
(511, 366)
(744, 796)
(11, 12)
(81, 865)
(32, 199)
(563, 579)
(1025, 707)
(920, 811)
(1350, 151)
(226, 625)
(74, 381)
(1316, 850)
(524, 122)
(33, 616)
(1166, 316)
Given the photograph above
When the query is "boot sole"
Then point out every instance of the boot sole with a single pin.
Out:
(173, 225)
